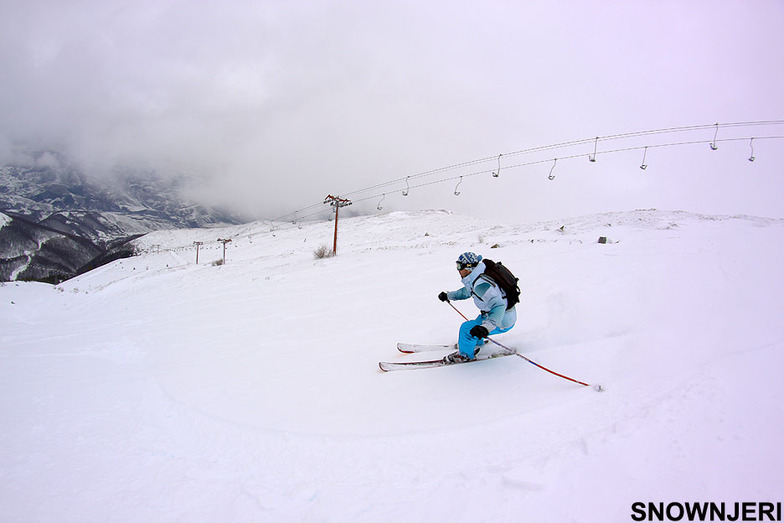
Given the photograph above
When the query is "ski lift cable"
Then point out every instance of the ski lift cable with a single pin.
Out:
(300, 213)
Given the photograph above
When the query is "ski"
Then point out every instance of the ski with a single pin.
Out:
(387, 366)
(410, 348)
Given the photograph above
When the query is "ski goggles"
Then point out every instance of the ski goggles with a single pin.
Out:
(462, 265)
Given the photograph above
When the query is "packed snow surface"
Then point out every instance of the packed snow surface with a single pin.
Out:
(156, 389)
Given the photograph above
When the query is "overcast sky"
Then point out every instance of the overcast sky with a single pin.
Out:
(279, 103)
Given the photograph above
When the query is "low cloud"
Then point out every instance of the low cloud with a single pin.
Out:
(273, 106)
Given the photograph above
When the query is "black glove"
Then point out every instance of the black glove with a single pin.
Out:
(479, 332)
(442, 296)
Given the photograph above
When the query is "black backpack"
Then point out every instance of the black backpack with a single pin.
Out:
(504, 278)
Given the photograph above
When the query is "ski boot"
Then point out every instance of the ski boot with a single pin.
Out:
(456, 357)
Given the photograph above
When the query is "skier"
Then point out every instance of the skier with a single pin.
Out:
(494, 318)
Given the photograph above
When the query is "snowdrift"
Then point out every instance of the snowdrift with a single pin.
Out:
(156, 389)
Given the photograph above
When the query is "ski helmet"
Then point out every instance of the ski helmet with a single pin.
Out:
(468, 260)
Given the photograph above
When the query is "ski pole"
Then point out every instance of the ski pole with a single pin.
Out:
(598, 387)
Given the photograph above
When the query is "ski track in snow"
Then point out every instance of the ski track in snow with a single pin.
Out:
(157, 389)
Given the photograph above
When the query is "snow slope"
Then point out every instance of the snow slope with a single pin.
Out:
(155, 389)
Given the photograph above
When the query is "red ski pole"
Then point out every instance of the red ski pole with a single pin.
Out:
(598, 387)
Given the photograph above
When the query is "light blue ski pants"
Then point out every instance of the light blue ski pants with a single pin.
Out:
(466, 343)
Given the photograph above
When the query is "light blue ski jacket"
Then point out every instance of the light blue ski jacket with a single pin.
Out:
(488, 298)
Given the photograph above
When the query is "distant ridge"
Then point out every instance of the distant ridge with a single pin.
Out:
(59, 221)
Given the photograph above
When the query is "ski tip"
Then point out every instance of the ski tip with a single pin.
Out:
(381, 366)
(404, 348)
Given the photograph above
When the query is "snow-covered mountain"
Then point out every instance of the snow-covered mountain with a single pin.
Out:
(55, 209)
(156, 389)
(49, 184)
(32, 252)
